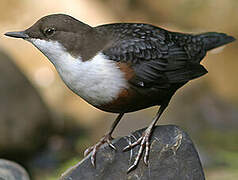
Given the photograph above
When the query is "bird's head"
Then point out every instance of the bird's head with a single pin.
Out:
(55, 32)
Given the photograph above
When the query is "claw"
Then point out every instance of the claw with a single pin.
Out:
(144, 140)
(131, 168)
(144, 143)
(111, 146)
(105, 139)
(93, 159)
(134, 165)
(108, 141)
(133, 144)
(87, 151)
(147, 150)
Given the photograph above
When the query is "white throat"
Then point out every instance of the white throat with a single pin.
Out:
(98, 81)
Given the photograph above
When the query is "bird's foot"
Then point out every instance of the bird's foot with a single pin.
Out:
(144, 143)
(105, 139)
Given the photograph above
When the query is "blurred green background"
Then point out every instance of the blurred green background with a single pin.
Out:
(46, 128)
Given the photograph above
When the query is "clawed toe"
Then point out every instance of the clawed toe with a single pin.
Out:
(143, 142)
(105, 139)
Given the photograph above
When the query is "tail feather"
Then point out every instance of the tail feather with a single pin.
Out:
(213, 40)
(189, 72)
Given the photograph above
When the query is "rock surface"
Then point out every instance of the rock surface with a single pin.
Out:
(172, 157)
(24, 119)
(12, 171)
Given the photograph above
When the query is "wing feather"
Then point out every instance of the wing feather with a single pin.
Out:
(157, 56)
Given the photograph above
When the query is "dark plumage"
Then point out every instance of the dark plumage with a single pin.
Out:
(157, 55)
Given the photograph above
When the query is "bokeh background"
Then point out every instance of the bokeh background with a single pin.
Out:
(46, 128)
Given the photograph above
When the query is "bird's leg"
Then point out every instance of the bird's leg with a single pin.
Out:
(105, 139)
(143, 141)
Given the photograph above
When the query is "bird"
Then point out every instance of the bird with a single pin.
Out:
(122, 67)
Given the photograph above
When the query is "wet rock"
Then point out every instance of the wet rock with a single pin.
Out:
(12, 171)
(172, 156)
(25, 121)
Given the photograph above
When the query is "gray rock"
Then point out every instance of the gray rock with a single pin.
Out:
(24, 119)
(12, 171)
(172, 157)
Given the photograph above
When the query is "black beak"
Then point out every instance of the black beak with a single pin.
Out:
(17, 34)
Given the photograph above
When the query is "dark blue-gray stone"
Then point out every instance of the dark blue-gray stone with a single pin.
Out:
(12, 171)
(172, 157)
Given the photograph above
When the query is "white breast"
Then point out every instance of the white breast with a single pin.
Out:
(98, 80)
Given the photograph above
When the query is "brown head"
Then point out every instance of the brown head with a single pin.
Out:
(75, 36)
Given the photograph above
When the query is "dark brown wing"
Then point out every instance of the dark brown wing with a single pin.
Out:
(157, 56)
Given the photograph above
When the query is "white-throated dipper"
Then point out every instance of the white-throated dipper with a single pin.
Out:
(121, 67)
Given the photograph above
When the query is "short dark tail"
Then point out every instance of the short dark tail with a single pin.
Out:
(213, 40)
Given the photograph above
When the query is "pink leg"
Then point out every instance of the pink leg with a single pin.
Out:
(105, 139)
(144, 142)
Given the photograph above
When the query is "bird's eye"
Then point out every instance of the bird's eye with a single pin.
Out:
(49, 31)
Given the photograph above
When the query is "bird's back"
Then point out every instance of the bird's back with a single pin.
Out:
(158, 56)
(161, 61)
